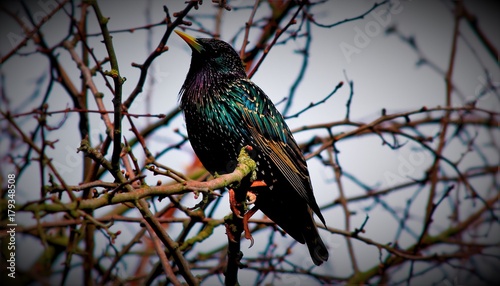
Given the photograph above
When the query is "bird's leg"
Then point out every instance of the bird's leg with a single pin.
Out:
(247, 216)
(234, 205)
(233, 202)
(251, 198)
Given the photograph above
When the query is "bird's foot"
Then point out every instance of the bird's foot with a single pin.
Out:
(247, 217)
(233, 204)
(252, 196)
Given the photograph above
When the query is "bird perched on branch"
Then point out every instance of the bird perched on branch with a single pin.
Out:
(225, 111)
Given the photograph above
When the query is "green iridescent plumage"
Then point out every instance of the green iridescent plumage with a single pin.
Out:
(225, 111)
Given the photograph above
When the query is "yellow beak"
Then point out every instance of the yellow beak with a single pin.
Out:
(190, 40)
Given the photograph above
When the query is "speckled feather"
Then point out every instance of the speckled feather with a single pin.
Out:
(225, 111)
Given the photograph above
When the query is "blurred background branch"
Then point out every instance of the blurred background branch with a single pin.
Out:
(408, 183)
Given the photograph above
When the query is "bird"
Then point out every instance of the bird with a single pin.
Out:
(225, 111)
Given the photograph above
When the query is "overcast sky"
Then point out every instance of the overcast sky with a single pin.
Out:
(383, 68)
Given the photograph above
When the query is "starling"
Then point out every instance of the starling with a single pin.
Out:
(225, 111)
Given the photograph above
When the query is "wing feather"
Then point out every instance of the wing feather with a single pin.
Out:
(268, 128)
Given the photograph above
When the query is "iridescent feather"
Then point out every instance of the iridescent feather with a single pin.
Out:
(224, 112)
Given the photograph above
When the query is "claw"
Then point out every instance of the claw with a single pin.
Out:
(247, 217)
(234, 204)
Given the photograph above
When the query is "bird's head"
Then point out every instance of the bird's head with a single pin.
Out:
(213, 56)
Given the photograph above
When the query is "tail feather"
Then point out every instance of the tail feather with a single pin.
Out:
(317, 249)
(295, 218)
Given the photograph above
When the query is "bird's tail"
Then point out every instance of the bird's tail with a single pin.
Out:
(317, 249)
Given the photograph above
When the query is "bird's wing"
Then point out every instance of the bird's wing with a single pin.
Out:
(267, 126)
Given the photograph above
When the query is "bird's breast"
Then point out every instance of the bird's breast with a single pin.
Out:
(214, 138)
